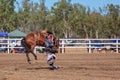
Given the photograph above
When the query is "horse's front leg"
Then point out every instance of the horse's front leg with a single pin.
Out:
(28, 58)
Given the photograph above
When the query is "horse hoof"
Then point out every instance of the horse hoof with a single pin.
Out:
(29, 62)
(36, 59)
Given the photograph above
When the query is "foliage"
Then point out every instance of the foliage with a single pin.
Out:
(64, 19)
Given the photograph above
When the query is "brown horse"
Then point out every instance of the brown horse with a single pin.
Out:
(35, 39)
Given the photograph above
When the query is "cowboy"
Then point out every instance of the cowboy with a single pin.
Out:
(50, 51)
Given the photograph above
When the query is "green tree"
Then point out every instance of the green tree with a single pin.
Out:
(61, 11)
(7, 15)
(113, 14)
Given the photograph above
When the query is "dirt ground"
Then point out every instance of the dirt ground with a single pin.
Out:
(73, 66)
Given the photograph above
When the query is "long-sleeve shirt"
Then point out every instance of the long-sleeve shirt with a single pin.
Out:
(49, 43)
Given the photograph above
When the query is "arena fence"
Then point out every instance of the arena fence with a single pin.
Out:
(90, 44)
(10, 43)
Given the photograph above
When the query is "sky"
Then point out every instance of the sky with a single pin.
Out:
(88, 3)
(93, 4)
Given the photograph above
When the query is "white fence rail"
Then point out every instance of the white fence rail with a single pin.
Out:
(8, 44)
(89, 44)
(67, 43)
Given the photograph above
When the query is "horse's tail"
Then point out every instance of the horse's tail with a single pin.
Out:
(24, 44)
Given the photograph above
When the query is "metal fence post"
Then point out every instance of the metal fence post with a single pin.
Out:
(8, 48)
(89, 46)
(63, 46)
(117, 46)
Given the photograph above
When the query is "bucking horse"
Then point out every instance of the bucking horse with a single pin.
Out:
(34, 39)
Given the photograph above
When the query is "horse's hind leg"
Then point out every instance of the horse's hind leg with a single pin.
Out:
(35, 56)
(28, 58)
(32, 51)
